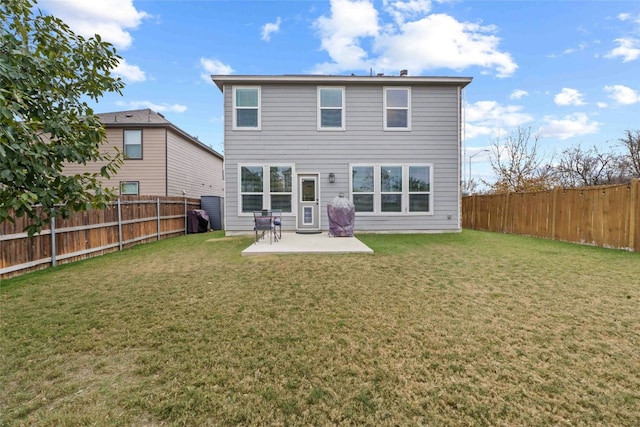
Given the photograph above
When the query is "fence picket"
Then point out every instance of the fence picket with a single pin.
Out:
(607, 216)
(128, 221)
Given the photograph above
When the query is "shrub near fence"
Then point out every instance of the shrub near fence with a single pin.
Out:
(607, 216)
(129, 221)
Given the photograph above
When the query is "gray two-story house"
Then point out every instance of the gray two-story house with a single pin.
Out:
(391, 144)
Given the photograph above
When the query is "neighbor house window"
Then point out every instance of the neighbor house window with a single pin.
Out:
(392, 189)
(280, 187)
(251, 188)
(129, 188)
(133, 144)
(246, 108)
(331, 114)
(362, 187)
(397, 108)
(266, 187)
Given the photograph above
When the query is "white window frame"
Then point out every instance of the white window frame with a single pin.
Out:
(375, 185)
(343, 109)
(235, 108)
(124, 144)
(377, 193)
(385, 108)
(137, 184)
(266, 187)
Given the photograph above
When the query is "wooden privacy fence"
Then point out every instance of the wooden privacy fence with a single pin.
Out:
(128, 221)
(607, 216)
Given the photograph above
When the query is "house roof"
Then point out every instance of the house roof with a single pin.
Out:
(221, 80)
(146, 118)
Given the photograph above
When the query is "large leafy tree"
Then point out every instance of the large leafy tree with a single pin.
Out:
(46, 75)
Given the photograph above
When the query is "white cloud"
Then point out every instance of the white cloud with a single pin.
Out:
(401, 10)
(489, 117)
(577, 124)
(568, 96)
(424, 43)
(128, 72)
(269, 28)
(341, 33)
(213, 66)
(518, 94)
(602, 105)
(159, 108)
(628, 49)
(622, 94)
(112, 19)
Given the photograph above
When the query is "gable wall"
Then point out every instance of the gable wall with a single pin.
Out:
(192, 169)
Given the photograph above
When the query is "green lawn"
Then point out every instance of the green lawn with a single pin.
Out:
(461, 329)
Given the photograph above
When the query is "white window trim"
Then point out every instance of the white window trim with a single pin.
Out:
(343, 109)
(377, 193)
(266, 186)
(235, 108)
(384, 109)
(124, 144)
(137, 183)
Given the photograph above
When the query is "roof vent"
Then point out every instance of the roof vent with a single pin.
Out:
(380, 74)
(404, 73)
(128, 115)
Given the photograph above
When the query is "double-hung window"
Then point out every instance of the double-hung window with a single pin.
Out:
(363, 188)
(397, 108)
(392, 189)
(133, 144)
(251, 188)
(280, 187)
(246, 108)
(331, 111)
(266, 187)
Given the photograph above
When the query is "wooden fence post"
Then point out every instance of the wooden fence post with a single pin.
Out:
(554, 211)
(53, 242)
(158, 214)
(473, 211)
(185, 216)
(119, 224)
(633, 213)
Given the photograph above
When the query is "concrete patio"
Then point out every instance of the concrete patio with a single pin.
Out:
(293, 243)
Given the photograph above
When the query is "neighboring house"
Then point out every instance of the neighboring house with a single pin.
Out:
(160, 158)
(391, 144)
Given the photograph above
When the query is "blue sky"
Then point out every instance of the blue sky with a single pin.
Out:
(569, 70)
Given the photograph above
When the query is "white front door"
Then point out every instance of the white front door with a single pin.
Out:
(308, 203)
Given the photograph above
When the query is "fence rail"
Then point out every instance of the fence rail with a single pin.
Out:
(128, 221)
(607, 216)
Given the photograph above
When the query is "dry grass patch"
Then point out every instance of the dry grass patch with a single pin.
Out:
(468, 329)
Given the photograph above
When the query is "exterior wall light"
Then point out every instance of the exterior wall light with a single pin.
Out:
(332, 177)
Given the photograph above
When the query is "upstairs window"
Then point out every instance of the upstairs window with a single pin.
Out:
(331, 108)
(133, 144)
(397, 108)
(246, 108)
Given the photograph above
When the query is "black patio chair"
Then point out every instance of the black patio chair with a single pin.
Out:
(263, 224)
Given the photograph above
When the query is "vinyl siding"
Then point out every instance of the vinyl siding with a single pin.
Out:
(148, 171)
(289, 135)
(192, 168)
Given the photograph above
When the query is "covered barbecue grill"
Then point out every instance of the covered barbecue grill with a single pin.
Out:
(342, 216)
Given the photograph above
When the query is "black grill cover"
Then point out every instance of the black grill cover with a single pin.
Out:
(342, 216)
(197, 221)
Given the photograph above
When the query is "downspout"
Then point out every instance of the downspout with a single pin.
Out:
(460, 154)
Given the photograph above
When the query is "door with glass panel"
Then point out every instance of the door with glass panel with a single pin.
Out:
(308, 203)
